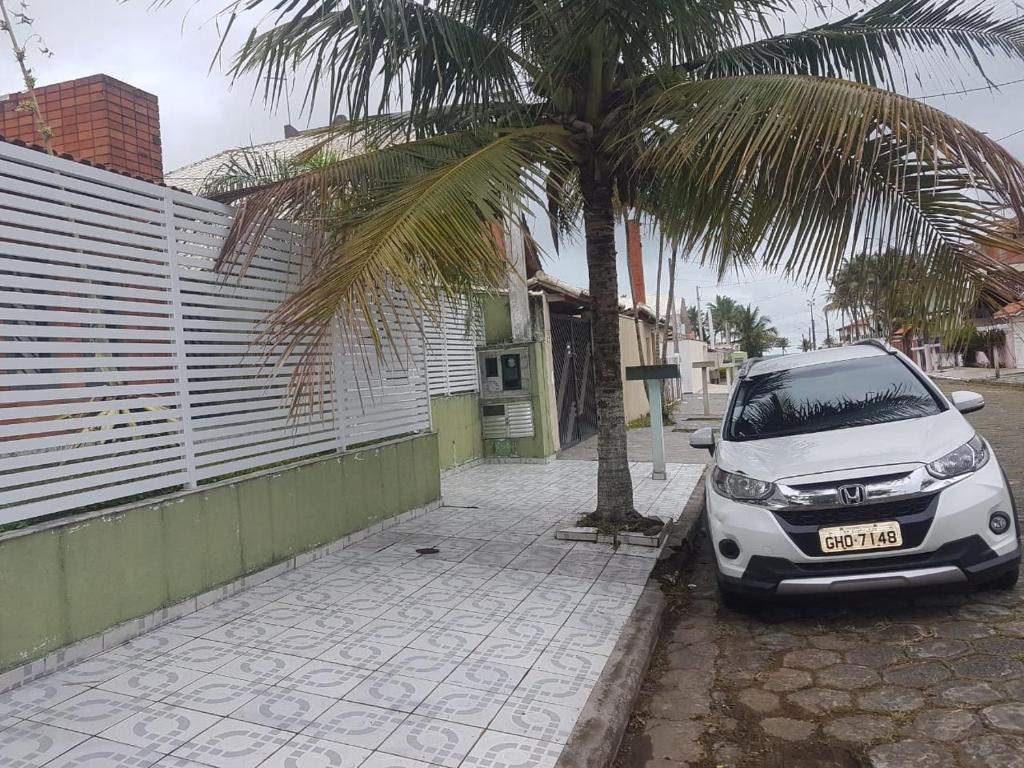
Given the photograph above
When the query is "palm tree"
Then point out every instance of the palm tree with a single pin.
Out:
(806, 345)
(755, 332)
(690, 114)
(782, 343)
(724, 313)
(696, 323)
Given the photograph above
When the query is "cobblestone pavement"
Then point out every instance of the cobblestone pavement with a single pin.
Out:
(887, 680)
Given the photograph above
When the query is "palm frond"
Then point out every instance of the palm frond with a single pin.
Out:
(827, 167)
(411, 221)
(879, 44)
(426, 55)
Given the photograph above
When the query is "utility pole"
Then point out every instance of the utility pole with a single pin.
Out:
(828, 333)
(814, 339)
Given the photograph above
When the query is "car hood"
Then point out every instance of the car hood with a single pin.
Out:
(911, 441)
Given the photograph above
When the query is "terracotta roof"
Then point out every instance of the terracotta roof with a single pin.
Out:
(81, 161)
(1010, 310)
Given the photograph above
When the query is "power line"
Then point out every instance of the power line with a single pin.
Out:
(991, 87)
(1009, 135)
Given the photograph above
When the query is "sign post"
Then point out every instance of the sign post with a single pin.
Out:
(653, 376)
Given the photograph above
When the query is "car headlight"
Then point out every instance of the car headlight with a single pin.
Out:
(741, 487)
(969, 457)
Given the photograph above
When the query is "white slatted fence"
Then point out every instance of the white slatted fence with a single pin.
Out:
(129, 366)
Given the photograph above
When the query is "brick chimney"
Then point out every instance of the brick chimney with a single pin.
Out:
(635, 261)
(95, 118)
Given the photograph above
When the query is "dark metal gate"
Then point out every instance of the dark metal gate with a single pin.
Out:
(572, 351)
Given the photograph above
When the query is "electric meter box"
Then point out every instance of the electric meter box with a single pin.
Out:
(505, 373)
(506, 391)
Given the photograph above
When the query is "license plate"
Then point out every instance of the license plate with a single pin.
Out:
(852, 538)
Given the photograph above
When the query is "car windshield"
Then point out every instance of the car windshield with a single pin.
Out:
(850, 393)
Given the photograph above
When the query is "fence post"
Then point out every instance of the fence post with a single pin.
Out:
(180, 358)
(338, 370)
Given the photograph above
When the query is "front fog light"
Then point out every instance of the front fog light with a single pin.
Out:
(999, 523)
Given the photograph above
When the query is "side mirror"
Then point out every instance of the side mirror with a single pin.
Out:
(967, 402)
(703, 438)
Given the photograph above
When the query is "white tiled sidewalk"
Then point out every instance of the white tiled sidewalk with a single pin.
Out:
(481, 655)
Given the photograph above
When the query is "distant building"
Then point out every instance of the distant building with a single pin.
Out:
(859, 329)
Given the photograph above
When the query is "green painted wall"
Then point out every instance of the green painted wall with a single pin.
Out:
(63, 583)
(543, 443)
(497, 320)
(457, 423)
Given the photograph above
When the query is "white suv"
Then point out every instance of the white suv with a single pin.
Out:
(847, 469)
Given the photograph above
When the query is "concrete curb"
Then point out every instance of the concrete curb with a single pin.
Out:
(595, 740)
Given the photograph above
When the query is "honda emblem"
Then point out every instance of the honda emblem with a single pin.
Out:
(852, 494)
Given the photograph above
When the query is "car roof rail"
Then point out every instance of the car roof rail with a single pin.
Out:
(744, 369)
(880, 343)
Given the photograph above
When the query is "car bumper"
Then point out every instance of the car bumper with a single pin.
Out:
(956, 547)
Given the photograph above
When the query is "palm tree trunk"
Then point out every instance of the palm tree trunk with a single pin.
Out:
(614, 484)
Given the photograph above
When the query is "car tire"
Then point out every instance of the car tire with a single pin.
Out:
(1007, 581)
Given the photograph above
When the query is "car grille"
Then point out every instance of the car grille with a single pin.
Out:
(886, 510)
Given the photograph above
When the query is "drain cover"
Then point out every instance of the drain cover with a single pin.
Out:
(427, 551)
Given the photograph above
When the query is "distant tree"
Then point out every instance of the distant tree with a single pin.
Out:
(696, 323)
(724, 314)
(782, 343)
(754, 331)
(805, 345)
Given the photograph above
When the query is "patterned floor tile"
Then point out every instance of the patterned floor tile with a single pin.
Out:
(233, 744)
(28, 745)
(516, 652)
(96, 669)
(197, 624)
(244, 632)
(498, 750)
(356, 724)
(447, 641)
(525, 631)
(202, 655)
(306, 752)
(443, 598)
(101, 753)
(261, 666)
(391, 691)
(153, 680)
(485, 675)
(216, 694)
(570, 662)
(335, 622)
(32, 698)
(568, 583)
(541, 613)
(179, 762)
(557, 689)
(461, 705)
(283, 708)
(588, 640)
(363, 606)
(422, 664)
(360, 652)
(490, 605)
(537, 719)
(382, 760)
(467, 621)
(153, 643)
(160, 727)
(390, 631)
(91, 712)
(433, 741)
(283, 614)
(298, 642)
(582, 619)
(325, 678)
(414, 616)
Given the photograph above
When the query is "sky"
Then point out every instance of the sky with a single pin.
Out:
(169, 51)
